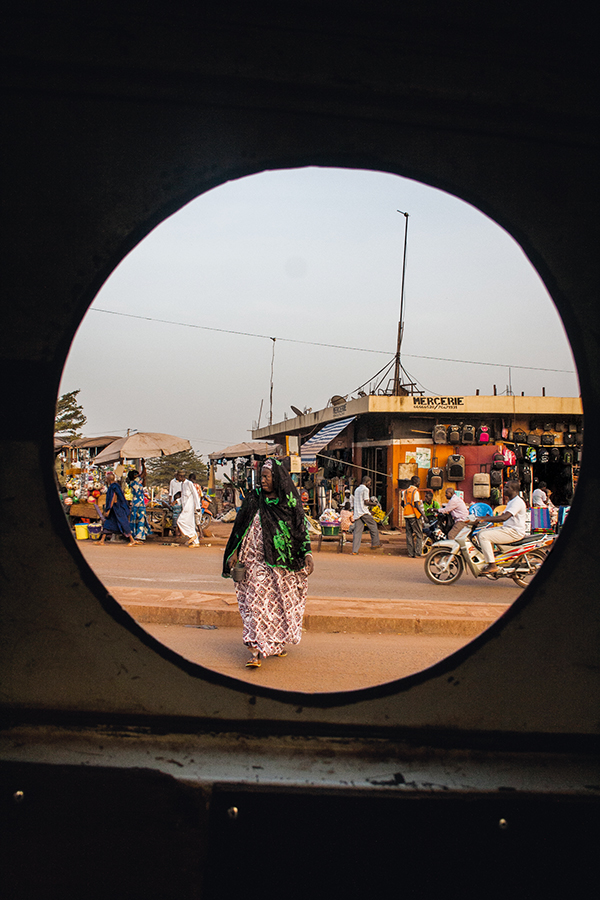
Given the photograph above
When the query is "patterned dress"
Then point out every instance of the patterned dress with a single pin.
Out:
(137, 517)
(271, 600)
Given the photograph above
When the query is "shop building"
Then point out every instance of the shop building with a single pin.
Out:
(393, 438)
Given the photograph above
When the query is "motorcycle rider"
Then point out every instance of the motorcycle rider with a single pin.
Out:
(457, 508)
(513, 530)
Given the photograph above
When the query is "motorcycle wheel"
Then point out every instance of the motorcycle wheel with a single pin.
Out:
(427, 545)
(435, 567)
(534, 559)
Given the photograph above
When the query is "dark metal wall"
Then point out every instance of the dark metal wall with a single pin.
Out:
(112, 119)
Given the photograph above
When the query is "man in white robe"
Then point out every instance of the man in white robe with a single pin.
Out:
(190, 502)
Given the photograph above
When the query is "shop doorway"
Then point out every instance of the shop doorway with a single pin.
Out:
(374, 464)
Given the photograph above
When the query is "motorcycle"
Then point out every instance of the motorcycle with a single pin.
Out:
(520, 561)
(436, 526)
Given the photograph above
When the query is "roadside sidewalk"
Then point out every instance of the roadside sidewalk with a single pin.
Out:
(324, 614)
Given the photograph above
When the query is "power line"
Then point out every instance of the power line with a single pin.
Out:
(269, 337)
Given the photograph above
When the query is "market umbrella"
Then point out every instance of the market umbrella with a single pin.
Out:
(143, 444)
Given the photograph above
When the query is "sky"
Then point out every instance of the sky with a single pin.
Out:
(311, 257)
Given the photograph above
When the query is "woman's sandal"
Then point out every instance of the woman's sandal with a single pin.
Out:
(253, 662)
(283, 653)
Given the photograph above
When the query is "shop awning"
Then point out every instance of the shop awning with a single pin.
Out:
(315, 444)
(248, 448)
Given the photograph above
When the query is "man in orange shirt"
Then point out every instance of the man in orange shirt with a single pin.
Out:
(413, 518)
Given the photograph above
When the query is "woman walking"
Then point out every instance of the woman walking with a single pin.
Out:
(270, 539)
(116, 512)
(138, 519)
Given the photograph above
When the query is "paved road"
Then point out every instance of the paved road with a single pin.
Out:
(336, 575)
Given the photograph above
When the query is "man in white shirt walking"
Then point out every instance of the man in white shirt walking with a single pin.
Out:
(514, 528)
(362, 517)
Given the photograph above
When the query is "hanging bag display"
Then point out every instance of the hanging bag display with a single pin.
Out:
(483, 434)
(547, 439)
(519, 437)
(498, 461)
(570, 438)
(496, 477)
(439, 434)
(453, 434)
(468, 434)
(456, 468)
(509, 456)
(435, 478)
(481, 486)
(533, 440)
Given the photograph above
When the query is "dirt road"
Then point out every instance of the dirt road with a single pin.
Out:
(322, 661)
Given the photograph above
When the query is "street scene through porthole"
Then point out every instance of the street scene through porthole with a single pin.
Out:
(299, 414)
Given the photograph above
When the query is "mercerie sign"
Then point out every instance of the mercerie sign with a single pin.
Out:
(449, 403)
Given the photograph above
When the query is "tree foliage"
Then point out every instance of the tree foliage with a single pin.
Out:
(161, 469)
(69, 418)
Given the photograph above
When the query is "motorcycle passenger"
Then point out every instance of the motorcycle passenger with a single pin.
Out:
(430, 505)
(513, 530)
(457, 508)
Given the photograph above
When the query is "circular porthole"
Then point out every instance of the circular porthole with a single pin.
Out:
(268, 307)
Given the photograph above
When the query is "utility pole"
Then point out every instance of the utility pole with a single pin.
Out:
(397, 367)
(271, 389)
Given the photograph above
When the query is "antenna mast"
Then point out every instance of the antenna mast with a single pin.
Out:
(397, 390)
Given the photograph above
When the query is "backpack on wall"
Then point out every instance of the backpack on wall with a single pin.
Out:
(435, 478)
(453, 434)
(509, 456)
(531, 454)
(555, 454)
(526, 473)
(570, 437)
(567, 457)
(439, 434)
(544, 456)
(498, 461)
(468, 434)
(496, 477)
(456, 468)
(483, 434)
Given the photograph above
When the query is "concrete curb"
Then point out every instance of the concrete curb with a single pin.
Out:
(323, 614)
